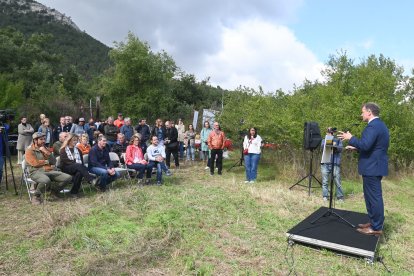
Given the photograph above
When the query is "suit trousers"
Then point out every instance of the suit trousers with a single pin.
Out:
(373, 201)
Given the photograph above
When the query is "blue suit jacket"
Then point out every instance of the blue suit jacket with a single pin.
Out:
(373, 147)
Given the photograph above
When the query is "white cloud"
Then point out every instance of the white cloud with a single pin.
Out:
(367, 44)
(235, 42)
(257, 53)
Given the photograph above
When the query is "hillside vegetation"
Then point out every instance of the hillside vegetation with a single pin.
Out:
(74, 47)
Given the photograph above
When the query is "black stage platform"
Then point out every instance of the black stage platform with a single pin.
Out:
(332, 233)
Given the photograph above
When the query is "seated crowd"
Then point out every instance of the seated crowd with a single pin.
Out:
(83, 151)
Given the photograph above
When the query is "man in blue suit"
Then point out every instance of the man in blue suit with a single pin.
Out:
(372, 165)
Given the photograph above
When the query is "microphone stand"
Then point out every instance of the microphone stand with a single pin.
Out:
(331, 210)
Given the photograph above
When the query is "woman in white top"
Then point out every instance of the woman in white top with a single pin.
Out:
(251, 149)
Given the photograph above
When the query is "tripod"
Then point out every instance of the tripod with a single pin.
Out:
(240, 161)
(8, 158)
(309, 176)
(331, 210)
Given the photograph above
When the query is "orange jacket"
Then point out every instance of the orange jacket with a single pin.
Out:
(216, 141)
(119, 123)
(38, 160)
(84, 149)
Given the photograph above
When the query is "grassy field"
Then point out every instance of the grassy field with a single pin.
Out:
(195, 224)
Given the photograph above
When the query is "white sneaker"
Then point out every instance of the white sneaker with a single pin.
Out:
(251, 181)
(246, 181)
(325, 198)
(341, 200)
(206, 168)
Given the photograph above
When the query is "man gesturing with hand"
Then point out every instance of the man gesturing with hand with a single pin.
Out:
(372, 165)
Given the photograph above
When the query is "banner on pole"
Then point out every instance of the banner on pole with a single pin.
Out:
(195, 119)
(210, 116)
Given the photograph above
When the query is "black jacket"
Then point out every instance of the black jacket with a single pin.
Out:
(144, 131)
(172, 135)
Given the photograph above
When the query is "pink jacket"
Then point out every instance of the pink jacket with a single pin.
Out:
(133, 151)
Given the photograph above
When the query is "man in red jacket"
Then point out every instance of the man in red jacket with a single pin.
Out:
(216, 141)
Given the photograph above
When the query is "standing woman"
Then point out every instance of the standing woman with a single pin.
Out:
(251, 149)
(71, 162)
(46, 129)
(24, 139)
(181, 134)
(190, 138)
(205, 132)
(159, 131)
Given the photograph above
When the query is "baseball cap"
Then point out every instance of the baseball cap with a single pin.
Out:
(81, 119)
(38, 135)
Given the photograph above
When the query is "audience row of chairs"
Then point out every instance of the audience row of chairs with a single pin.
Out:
(30, 184)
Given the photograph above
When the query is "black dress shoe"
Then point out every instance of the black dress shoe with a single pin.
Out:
(369, 231)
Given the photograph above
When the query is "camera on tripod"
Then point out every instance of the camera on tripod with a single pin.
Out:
(329, 138)
(332, 130)
(6, 115)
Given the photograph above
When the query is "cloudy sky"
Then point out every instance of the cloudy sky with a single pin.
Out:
(269, 43)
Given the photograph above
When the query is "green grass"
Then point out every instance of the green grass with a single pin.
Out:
(195, 224)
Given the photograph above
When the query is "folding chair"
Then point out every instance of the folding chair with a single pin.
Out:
(85, 158)
(30, 183)
(123, 171)
(57, 166)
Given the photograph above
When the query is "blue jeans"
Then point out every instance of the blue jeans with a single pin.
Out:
(326, 172)
(160, 167)
(140, 168)
(103, 175)
(190, 152)
(251, 161)
(181, 149)
(1, 167)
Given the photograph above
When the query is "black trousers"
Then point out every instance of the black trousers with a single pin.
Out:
(78, 171)
(219, 161)
(174, 152)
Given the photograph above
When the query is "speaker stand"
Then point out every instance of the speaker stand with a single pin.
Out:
(309, 176)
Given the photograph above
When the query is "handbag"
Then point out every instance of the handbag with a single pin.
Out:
(246, 151)
(172, 145)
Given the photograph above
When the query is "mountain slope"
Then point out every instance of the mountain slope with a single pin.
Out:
(88, 55)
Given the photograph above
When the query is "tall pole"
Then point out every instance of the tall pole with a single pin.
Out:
(90, 108)
(222, 101)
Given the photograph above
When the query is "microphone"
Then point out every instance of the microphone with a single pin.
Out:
(350, 126)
